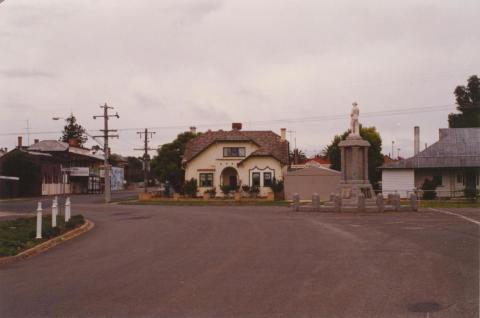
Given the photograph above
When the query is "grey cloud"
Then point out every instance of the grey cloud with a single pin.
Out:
(148, 102)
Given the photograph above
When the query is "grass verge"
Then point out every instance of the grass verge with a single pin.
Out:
(18, 235)
(448, 204)
(216, 202)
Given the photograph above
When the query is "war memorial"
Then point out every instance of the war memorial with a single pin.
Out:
(354, 192)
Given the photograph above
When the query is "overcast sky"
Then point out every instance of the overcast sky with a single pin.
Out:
(208, 63)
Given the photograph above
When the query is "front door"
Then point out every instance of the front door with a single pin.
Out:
(232, 180)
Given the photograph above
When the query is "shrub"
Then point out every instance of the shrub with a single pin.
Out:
(212, 192)
(245, 188)
(75, 221)
(428, 188)
(254, 190)
(49, 231)
(470, 193)
(190, 188)
(226, 189)
(277, 186)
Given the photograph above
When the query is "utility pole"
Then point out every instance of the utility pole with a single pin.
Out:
(106, 150)
(146, 158)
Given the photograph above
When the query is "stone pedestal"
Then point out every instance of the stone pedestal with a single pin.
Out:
(354, 166)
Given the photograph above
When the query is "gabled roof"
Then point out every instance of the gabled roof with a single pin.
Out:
(49, 145)
(457, 147)
(269, 143)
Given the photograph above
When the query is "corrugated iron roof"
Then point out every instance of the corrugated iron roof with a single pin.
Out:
(457, 147)
(49, 145)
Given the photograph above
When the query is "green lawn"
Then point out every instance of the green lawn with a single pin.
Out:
(19, 235)
(213, 202)
(448, 204)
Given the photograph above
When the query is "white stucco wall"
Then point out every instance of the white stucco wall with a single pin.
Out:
(211, 160)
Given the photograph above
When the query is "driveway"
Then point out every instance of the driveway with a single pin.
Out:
(160, 261)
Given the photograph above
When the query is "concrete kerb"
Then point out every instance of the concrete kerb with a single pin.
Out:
(37, 249)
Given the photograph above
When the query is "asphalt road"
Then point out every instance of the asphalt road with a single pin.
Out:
(157, 261)
(29, 205)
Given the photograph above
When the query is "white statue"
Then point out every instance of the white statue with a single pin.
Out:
(354, 124)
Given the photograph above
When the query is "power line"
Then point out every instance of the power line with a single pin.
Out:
(391, 112)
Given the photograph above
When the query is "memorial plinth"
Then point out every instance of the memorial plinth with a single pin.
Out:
(354, 169)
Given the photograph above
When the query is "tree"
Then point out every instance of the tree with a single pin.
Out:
(302, 157)
(468, 104)
(21, 164)
(134, 171)
(375, 156)
(167, 164)
(73, 131)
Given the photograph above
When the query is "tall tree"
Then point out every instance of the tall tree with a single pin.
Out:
(72, 130)
(167, 164)
(134, 171)
(375, 156)
(468, 104)
(302, 157)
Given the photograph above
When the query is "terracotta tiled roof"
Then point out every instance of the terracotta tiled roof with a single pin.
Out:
(269, 142)
(320, 160)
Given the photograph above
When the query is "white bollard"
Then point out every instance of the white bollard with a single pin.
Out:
(39, 221)
(54, 214)
(67, 209)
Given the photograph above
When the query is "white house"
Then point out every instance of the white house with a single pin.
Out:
(453, 162)
(236, 158)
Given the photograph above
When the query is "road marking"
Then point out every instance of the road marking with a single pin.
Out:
(458, 215)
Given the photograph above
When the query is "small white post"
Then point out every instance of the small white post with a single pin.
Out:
(67, 209)
(39, 221)
(54, 213)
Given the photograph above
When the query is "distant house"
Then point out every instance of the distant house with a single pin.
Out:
(236, 158)
(318, 160)
(453, 162)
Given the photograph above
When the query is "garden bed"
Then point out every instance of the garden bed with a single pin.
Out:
(18, 235)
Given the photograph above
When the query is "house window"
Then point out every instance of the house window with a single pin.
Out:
(234, 151)
(206, 179)
(437, 178)
(256, 179)
(267, 179)
(460, 179)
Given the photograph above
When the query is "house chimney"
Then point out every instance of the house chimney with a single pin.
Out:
(416, 140)
(283, 134)
(193, 130)
(19, 142)
(236, 126)
(36, 141)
